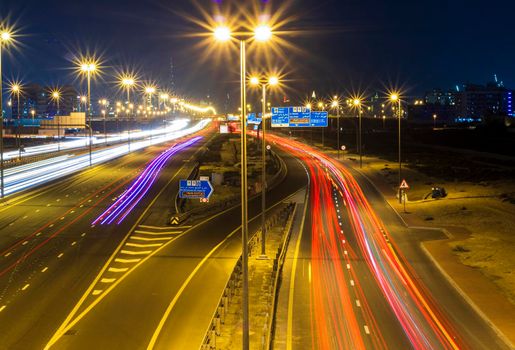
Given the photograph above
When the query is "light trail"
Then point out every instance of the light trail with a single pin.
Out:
(131, 197)
(37, 173)
(335, 324)
(82, 142)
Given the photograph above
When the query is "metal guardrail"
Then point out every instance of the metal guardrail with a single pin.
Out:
(284, 218)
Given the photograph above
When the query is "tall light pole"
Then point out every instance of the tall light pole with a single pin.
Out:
(16, 90)
(5, 38)
(395, 98)
(103, 103)
(336, 105)
(357, 104)
(271, 81)
(56, 96)
(88, 67)
(127, 82)
(262, 33)
(434, 121)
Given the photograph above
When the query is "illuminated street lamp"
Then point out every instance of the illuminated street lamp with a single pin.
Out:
(89, 67)
(16, 90)
(127, 82)
(271, 81)
(434, 121)
(5, 39)
(336, 104)
(149, 91)
(262, 33)
(56, 96)
(395, 98)
(356, 103)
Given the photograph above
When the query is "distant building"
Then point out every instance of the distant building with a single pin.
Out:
(470, 104)
(37, 98)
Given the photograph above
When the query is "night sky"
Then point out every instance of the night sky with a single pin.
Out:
(340, 46)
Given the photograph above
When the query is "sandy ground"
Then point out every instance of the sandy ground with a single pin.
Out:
(485, 209)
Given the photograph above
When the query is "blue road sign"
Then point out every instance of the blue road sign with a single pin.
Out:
(280, 117)
(298, 117)
(195, 189)
(319, 119)
(252, 119)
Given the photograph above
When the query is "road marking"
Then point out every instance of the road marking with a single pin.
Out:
(126, 261)
(83, 234)
(60, 256)
(116, 269)
(2, 307)
(6, 255)
(366, 329)
(161, 227)
(149, 238)
(26, 286)
(130, 252)
(358, 304)
(97, 291)
(157, 233)
(348, 266)
(25, 242)
(38, 234)
(25, 217)
(44, 270)
(73, 243)
(309, 272)
(345, 252)
(352, 283)
(62, 217)
(107, 280)
(143, 245)
(51, 225)
(37, 210)
(73, 211)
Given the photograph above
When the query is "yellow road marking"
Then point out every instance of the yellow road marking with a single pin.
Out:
(60, 256)
(126, 261)
(157, 233)
(138, 238)
(44, 270)
(116, 269)
(25, 286)
(97, 291)
(107, 280)
(2, 308)
(143, 245)
(130, 252)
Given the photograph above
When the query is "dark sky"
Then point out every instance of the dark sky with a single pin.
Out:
(341, 46)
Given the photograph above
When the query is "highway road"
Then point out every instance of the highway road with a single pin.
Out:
(50, 251)
(358, 279)
(166, 300)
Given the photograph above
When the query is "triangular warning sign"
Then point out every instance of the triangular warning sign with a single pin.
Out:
(404, 185)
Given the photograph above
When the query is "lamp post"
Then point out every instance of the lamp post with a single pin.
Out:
(272, 81)
(88, 67)
(262, 34)
(104, 103)
(395, 98)
(357, 104)
(128, 82)
(5, 38)
(434, 121)
(336, 105)
(56, 96)
(16, 90)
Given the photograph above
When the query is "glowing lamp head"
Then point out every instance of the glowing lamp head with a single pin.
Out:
(308, 105)
(150, 90)
(320, 105)
(164, 96)
(334, 104)
(5, 36)
(15, 88)
(394, 97)
(356, 102)
(254, 81)
(222, 33)
(55, 94)
(273, 81)
(127, 81)
(263, 33)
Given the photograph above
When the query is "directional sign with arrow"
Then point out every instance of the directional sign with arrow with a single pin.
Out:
(195, 189)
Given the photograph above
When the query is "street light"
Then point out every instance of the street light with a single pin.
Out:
(434, 121)
(356, 103)
(336, 104)
(16, 90)
(271, 81)
(56, 96)
(5, 38)
(127, 82)
(262, 33)
(89, 67)
(395, 98)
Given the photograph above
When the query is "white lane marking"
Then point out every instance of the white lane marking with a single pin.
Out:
(143, 245)
(92, 226)
(352, 283)
(157, 233)
(126, 261)
(358, 304)
(366, 329)
(7, 254)
(83, 234)
(60, 256)
(107, 280)
(38, 234)
(150, 238)
(130, 252)
(345, 252)
(44, 270)
(73, 211)
(116, 269)
(97, 291)
(348, 266)
(73, 243)
(24, 243)
(25, 286)
(51, 225)
(81, 205)
(62, 217)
